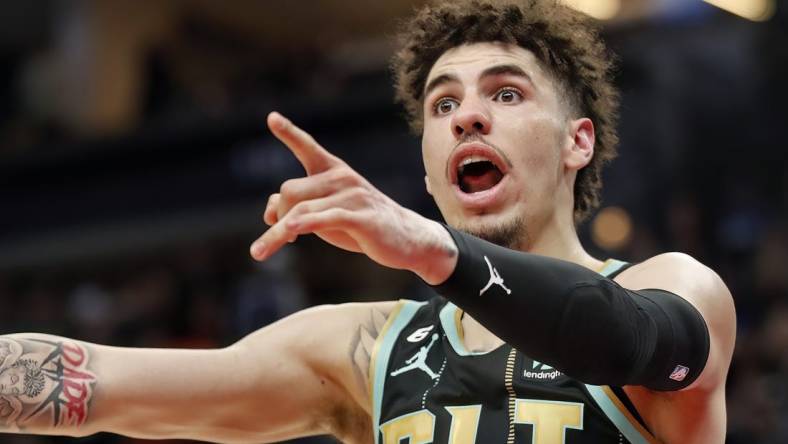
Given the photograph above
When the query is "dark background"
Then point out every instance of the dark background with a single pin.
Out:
(135, 164)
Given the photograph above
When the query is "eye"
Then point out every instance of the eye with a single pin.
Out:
(508, 95)
(444, 106)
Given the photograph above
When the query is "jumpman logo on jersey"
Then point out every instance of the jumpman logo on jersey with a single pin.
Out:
(419, 361)
(495, 279)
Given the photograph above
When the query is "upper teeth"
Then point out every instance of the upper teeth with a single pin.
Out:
(473, 159)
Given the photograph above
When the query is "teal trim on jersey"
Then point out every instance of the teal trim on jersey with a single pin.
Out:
(448, 316)
(612, 266)
(409, 309)
(616, 417)
(602, 399)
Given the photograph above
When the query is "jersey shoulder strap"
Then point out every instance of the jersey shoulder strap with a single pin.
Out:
(614, 267)
(613, 400)
(399, 318)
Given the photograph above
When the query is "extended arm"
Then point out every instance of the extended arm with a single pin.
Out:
(301, 376)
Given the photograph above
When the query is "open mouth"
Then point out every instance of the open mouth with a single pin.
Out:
(477, 174)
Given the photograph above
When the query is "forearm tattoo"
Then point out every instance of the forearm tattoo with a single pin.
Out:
(364, 341)
(42, 378)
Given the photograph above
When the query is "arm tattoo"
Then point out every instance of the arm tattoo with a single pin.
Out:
(42, 378)
(364, 341)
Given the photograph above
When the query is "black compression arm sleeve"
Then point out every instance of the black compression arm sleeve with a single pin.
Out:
(576, 320)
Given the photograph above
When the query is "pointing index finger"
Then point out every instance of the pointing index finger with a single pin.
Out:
(312, 156)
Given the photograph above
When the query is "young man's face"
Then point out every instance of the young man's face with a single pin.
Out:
(497, 141)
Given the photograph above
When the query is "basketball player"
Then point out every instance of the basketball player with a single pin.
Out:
(533, 339)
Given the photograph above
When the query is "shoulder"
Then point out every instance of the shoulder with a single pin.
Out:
(703, 288)
(324, 337)
(327, 335)
(345, 336)
(685, 276)
(672, 265)
(347, 316)
(335, 342)
(322, 325)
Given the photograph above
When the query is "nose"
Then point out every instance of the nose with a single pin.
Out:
(469, 118)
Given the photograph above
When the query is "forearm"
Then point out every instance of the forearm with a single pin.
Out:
(47, 385)
(577, 320)
(51, 385)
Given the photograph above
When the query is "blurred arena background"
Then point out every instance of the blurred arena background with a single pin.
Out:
(135, 165)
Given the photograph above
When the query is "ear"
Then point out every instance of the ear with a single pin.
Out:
(582, 148)
(427, 184)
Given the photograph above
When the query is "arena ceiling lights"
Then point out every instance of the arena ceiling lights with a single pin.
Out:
(599, 9)
(624, 10)
(755, 10)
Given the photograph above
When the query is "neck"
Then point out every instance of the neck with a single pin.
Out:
(557, 238)
(554, 239)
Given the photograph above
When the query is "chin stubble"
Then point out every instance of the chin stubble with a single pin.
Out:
(511, 234)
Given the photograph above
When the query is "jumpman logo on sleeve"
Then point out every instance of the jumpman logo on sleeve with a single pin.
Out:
(495, 279)
(419, 360)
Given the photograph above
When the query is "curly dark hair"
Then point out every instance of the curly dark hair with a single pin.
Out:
(565, 42)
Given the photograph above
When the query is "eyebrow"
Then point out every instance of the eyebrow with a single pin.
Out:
(501, 70)
(497, 70)
(438, 81)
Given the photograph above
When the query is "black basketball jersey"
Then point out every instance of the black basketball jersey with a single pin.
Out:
(427, 388)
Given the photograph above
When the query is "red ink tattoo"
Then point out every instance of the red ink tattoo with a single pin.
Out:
(66, 367)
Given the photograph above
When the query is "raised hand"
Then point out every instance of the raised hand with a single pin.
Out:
(343, 208)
